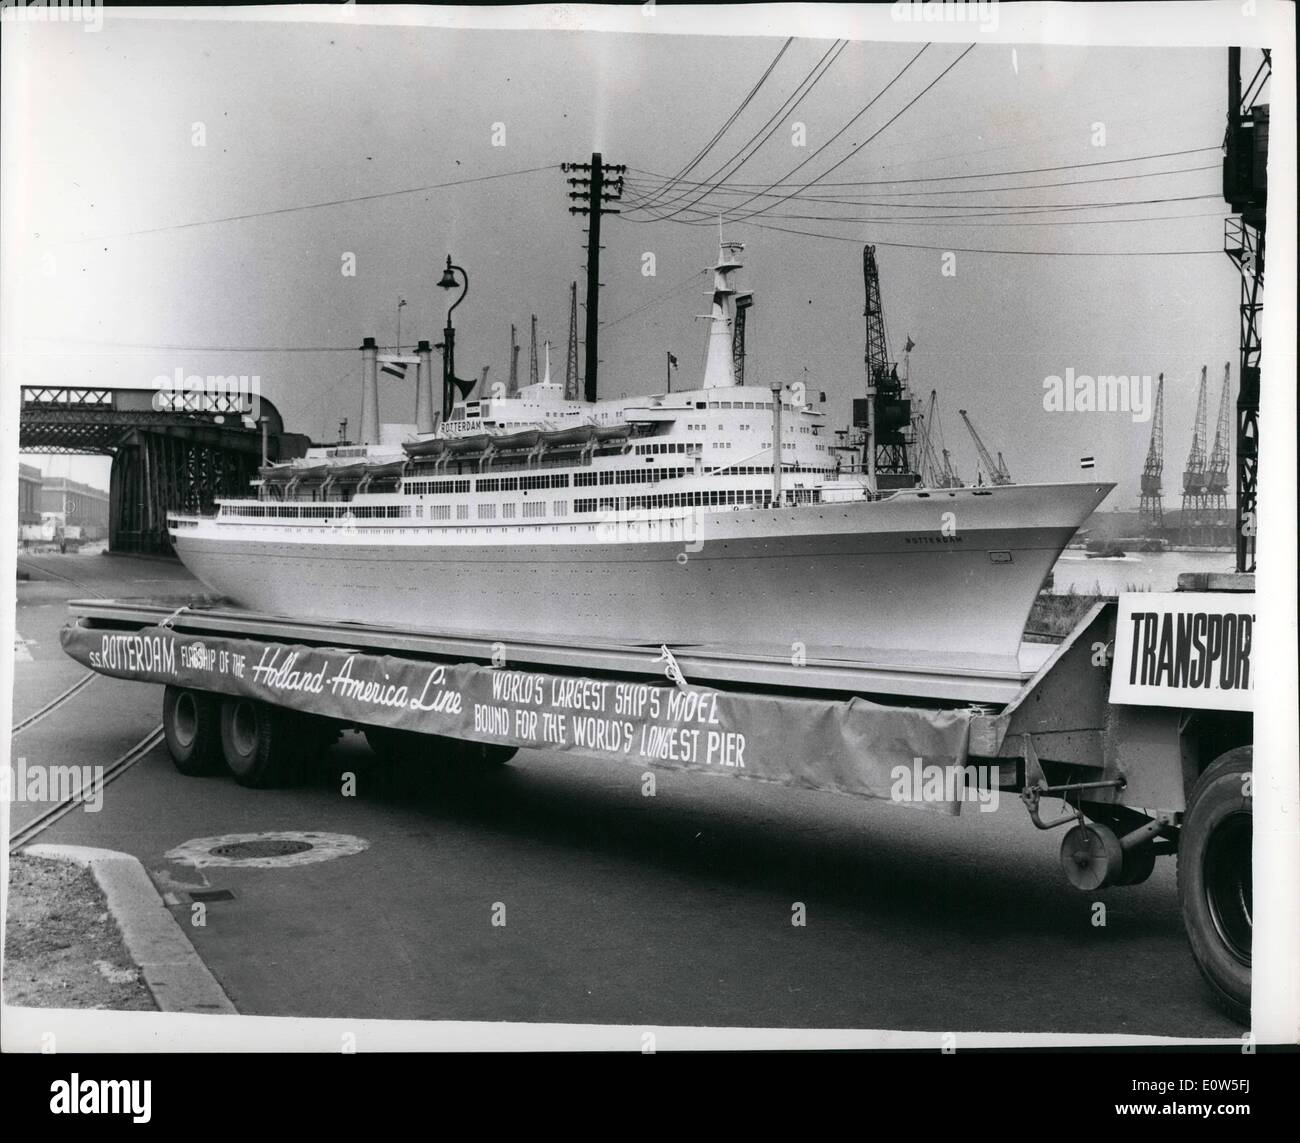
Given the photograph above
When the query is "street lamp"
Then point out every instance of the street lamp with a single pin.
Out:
(449, 378)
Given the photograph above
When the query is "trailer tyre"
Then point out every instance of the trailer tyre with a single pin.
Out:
(397, 747)
(1214, 879)
(410, 747)
(254, 741)
(192, 730)
(486, 753)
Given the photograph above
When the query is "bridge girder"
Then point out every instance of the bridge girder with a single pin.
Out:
(170, 451)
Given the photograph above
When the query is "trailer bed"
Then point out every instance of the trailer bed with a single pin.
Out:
(983, 679)
(845, 727)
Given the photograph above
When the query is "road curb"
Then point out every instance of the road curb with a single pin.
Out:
(172, 970)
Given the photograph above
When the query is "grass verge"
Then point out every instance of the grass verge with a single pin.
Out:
(62, 947)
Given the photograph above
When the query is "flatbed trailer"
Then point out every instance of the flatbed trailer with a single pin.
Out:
(264, 695)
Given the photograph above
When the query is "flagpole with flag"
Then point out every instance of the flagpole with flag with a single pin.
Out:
(672, 364)
(395, 365)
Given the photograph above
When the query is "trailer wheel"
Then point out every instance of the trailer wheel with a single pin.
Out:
(397, 747)
(1138, 866)
(412, 747)
(254, 741)
(486, 753)
(313, 735)
(1214, 879)
(192, 730)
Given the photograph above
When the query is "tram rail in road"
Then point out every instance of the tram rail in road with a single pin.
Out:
(114, 770)
(24, 834)
(53, 704)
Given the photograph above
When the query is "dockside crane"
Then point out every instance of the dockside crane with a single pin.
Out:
(1194, 470)
(931, 472)
(1245, 187)
(1151, 515)
(1216, 480)
(997, 470)
(887, 412)
(935, 473)
(1194, 475)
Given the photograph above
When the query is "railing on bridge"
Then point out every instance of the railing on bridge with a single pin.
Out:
(66, 397)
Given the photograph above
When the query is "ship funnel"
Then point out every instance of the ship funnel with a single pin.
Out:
(369, 392)
(424, 409)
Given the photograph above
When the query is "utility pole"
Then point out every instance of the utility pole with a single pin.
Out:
(598, 191)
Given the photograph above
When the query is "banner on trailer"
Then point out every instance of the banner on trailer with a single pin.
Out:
(1184, 649)
(908, 755)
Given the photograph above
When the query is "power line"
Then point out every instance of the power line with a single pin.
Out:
(740, 187)
(672, 291)
(961, 221)
(312, 205)
(208, 348)
(915, 142)
(881, 129)
(847, 199)
(994, 210)
(964, 250)
(723, 129)
(870, 103)
(792, 101)
(768, 128)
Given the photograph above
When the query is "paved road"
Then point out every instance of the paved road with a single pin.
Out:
(619, 908)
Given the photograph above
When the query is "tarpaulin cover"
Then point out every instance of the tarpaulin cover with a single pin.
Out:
(852, 747)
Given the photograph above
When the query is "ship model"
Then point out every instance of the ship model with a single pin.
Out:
(726, 516)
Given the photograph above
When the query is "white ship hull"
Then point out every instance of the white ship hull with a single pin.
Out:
(938, 574)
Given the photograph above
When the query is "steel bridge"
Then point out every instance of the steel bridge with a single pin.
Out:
(171, 450)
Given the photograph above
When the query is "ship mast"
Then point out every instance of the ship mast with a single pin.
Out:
(720, 365)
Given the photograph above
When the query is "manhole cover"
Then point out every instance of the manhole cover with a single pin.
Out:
(267, 850)
(272, 847)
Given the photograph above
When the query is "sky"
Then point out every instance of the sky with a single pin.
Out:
(124, 274)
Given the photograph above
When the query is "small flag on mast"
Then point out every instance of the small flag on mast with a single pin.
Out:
(911, 345)
(1087, 462)
(672, 361)
(395, 365)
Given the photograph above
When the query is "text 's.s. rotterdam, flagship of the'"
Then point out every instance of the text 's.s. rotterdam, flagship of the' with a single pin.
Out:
(718, 516)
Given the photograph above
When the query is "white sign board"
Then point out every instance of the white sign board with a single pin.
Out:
(1184, 649)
